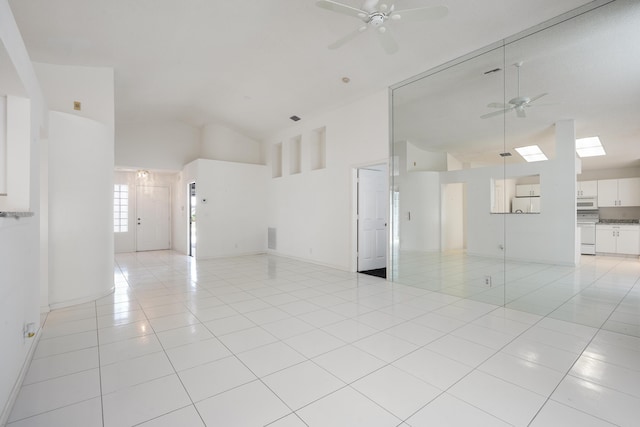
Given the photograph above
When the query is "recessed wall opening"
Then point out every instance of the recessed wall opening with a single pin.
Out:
(295, 155)
(317, 149)
(276, 161)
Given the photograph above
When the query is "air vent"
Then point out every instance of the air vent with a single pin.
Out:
(294, 118)
(506, 154)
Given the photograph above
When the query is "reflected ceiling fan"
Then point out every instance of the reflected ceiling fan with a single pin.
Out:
(379, 17)
(518, 104)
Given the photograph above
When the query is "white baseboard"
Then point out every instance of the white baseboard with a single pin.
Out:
(64, 304)
(6, 411)
(310, 261)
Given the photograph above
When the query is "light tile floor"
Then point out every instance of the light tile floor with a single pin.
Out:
(263, 340)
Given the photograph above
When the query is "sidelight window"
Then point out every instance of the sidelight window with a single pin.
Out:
(120, 208)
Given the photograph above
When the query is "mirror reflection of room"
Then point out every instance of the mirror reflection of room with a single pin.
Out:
(470, 188)
(518, 195)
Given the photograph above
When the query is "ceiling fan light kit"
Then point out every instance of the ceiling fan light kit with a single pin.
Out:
(379, 16)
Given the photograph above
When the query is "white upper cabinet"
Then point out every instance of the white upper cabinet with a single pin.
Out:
(587, 189)
(619, 192)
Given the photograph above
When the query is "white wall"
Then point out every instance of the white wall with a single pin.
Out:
(19, 239)
(156, 145)
(454, 217)
(230, 208)
(44, 226)
(91, 86)
(422, 160)
(313, 211)
(420, 212)
(80, 209)
(609, 174)
(18, 133)
(222, 143)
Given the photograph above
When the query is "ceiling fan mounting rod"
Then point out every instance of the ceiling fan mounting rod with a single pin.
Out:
(518, 65)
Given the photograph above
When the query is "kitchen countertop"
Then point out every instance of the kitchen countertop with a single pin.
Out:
(619, 221)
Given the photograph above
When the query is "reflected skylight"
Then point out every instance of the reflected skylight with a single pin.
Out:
(531, 153)
(589, 147)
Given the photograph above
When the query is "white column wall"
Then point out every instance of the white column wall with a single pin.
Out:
(230, 207)
(80, 209)
(547, 237)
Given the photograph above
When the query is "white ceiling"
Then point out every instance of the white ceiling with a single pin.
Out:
(250, 64)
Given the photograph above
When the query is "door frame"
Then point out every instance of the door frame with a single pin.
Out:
(190, 245)
(384, 164)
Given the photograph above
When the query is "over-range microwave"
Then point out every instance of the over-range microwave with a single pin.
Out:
(587, 204)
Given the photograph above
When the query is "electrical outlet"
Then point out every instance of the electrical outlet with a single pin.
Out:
(487, 281)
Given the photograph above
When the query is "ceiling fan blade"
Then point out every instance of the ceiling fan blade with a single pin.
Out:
(370, 5)
(495, 113)
(421, 14)
(352, 35)
(341, 8)
(537, 97)
(387, 41)
(499, 105)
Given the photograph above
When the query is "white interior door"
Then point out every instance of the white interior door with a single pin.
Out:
(372, 219)
(152, 218)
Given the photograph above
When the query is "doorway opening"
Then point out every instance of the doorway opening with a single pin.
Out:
(192, 219)
(372, 220)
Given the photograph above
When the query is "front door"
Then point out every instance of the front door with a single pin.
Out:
(372, 219)
(152, 215)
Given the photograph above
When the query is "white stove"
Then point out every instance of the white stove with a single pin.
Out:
(587, 226)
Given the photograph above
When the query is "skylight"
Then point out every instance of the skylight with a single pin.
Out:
(531, 153)
(589, 147)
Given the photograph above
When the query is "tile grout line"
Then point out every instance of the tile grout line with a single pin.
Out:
(580, 356)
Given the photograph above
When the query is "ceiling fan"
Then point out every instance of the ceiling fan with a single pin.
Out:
(519, 103)
(379, 17)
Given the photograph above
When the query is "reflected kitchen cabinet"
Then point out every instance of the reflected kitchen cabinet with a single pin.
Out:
(618, 239)
(528, 190)
(587, 189)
